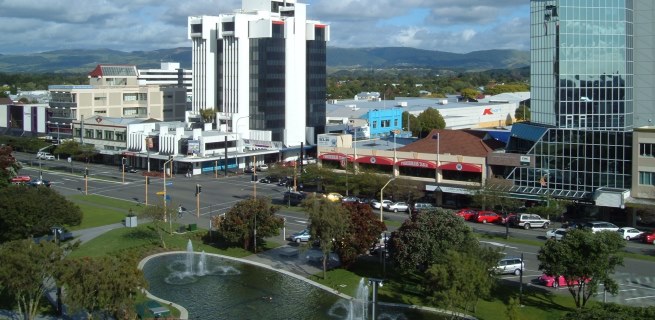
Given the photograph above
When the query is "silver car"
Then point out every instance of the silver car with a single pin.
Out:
(510, 266)
(398, 206)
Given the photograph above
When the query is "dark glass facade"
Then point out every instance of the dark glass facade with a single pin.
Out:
(581, 99)
(267, 83)
(317, 80)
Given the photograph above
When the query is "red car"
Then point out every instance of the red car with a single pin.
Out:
(20, 179)
(648, 237)
(550, 281)
(466, 213)
(487, 217)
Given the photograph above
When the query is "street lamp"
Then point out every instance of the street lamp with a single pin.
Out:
(376, 284)
(170, 221)
(382, 197)
(236, 130)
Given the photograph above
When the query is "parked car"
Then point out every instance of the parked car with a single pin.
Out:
(264, 180)
(466, 213)
(597, 226)
(262, 167)
(398, 206)
(529, 220)
(376, 204)
(510, 266)
(422, 206)
(39, 182)
(300, 236)
(48, 157)
(350, 199)
(556, 234)
(508, 218)
(315, 256)
(20, 179)
(333, 196)
(486, 216)
(628, 233)
(43, 155)
(648, 237)
(557, 281)
(293, 198)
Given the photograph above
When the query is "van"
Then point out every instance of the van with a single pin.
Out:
(529, 220)
(597, 226)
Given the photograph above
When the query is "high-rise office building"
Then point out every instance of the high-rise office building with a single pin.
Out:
(592, 81)
(263, 69)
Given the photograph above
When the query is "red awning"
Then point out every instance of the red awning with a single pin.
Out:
(459, 166)
(335, 156)
(417, 163)
(375, 160)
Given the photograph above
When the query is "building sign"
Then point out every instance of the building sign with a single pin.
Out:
(194, 147)
(525, 160)
(491, 111)
(335, 157)
(417, 164)
(326, 140)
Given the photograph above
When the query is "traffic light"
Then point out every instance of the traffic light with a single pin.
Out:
(123, 160)
(86, 172)
(147, 180)
(198, 189)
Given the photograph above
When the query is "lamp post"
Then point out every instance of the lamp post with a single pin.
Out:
(382, 197)
(376, 283)
(170, 222)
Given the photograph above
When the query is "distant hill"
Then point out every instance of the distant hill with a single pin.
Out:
(83, 61)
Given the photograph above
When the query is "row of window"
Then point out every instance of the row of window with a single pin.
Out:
(102, 134)
(385, 123)
(647, 150)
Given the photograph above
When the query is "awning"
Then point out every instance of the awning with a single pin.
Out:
(335, 156)
(460, 166)
(375, 160)
(448, 189)
(417, 163)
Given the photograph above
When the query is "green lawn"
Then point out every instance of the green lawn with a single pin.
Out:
(99, 211)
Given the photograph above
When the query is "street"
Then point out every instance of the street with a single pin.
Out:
(636, 277)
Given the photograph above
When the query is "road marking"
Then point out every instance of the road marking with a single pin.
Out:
(637, 298)
(499, 244)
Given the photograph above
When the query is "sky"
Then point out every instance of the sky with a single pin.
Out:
(461, 26)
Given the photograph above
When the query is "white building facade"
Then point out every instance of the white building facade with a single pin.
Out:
(168, 73)
(263, 69)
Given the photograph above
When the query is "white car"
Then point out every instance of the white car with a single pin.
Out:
(376, 204)
(513, 266)
(398, 206)
(556, 234)
(628, 233)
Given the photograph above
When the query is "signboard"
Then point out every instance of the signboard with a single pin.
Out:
(149, 143)
(194, 147)
(327, 140)
(160, 193)
(525, 160)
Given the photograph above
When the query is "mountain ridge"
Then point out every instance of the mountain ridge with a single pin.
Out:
(84, 60)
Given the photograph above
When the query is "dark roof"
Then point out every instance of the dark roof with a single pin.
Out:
(457, 142)
(113, 70)
(4, 101)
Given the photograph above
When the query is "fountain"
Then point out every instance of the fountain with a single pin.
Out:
(217, 287)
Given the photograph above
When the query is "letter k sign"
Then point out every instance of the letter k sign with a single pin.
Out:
(487, 111)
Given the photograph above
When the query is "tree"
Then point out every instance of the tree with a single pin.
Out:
(459, 279)
(469, 94)
(106, 285)
(248, 219)
(8, 165)
(522, 113)
(611, 311)
(502, 88)
(410, 122)
(158, 215)
(425, 238)
(430, 119)
(583, 255)
(25, 268)
(363, 231)
(26, 211)
(550, 207)
(208, 115)
(328, 222)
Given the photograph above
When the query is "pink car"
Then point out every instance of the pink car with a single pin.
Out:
(555, 282)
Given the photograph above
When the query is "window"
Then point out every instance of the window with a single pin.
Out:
(109, 135)
(647, 178)
(98, 134)
(120, 136)
(646, 149)
(88, 133)
(395, 122)
(375, 124)
(385, 123)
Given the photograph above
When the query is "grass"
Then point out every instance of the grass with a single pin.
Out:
(99, 211)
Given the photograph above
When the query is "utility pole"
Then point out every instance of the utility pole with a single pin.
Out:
(123, 164)
(86, 181)
(147, 183)
(198, 190)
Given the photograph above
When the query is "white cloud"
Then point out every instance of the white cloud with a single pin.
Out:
(128, 25)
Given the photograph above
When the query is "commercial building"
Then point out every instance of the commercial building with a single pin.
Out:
(169, 73)
(592, 77)
(113, 91)
(264, 64)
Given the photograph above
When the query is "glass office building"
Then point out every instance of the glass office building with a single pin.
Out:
(582, 100)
